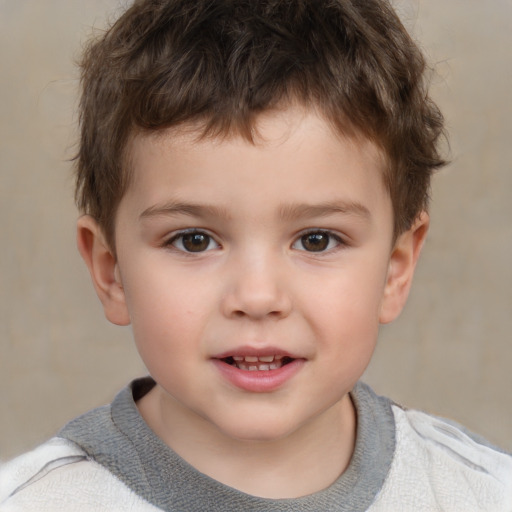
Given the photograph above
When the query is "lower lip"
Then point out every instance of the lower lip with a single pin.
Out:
(259, 381)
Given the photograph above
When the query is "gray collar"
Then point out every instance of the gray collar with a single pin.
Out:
(117, 437)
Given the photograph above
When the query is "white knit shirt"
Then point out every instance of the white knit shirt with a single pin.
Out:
(433, 466)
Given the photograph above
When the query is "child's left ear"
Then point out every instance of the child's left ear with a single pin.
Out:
(402, 263)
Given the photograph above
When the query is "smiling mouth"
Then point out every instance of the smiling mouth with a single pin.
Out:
(255, 363)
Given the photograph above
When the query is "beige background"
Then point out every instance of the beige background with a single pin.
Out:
(450, 352)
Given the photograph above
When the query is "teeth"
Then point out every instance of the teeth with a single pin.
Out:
(258, 363)
(256, 359)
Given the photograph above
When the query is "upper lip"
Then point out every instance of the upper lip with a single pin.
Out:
(255, 352)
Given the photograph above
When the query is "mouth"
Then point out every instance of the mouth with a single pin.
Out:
(257, 363)
(258, 371)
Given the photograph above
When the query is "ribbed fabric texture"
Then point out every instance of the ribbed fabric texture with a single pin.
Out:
(118, 438)
(404, 460)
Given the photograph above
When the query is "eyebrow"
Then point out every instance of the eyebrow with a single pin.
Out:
(286, 212)
(300, 211)
(172, 208)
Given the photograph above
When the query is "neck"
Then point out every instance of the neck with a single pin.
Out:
(303, 462)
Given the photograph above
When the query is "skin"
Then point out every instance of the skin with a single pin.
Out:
(295, 257)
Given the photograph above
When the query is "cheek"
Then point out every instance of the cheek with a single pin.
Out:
(168, 312)
(345, 315)
(351, 297)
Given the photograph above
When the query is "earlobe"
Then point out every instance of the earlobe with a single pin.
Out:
(102, 265)
(402, 264)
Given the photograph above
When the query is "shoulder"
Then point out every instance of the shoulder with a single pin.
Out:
(59, 476)
(439, 465)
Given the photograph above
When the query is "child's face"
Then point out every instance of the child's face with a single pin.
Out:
(229, 251)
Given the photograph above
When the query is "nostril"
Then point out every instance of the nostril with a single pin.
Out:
(256, 296)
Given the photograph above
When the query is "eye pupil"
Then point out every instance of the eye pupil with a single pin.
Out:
(195, 242)
(315, 241)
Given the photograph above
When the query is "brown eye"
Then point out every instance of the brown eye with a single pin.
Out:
(195, 241)
(315, 242)
(318, 241)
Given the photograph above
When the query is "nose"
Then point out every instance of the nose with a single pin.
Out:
(256, 288)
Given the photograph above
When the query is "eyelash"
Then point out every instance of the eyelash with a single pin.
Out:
(331, 238)
(175, 239)
(205, 244)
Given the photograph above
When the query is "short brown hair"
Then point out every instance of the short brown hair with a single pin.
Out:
(220, 63)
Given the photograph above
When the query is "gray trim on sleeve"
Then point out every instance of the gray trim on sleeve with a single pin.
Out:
(117, 437)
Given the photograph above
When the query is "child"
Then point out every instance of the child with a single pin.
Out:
(254, 180)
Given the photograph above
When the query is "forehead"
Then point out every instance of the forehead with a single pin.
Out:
(291, 150)
(292, 123)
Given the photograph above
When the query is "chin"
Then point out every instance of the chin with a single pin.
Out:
(256, 431)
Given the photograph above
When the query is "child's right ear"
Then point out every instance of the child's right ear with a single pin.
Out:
(102, 265)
